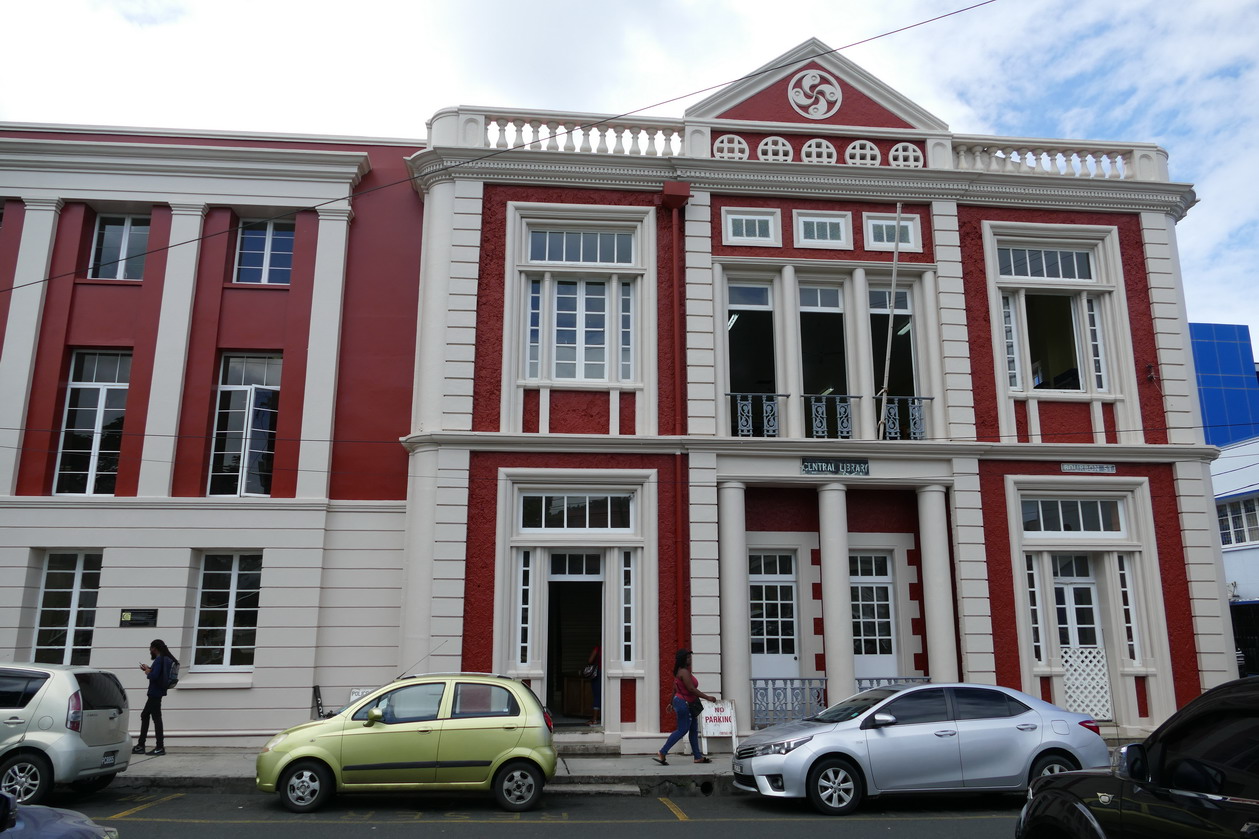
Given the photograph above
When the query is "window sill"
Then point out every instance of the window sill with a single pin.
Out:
(216, 681)
(561, 384)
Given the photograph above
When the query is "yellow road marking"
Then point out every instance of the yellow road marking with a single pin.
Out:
(675, 809)
(126, 813)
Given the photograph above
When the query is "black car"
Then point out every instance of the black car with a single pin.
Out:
(1197, 775)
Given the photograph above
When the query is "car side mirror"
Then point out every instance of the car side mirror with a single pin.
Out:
(1131, 763)
(8, 812)
(882, 719)
(374, 715)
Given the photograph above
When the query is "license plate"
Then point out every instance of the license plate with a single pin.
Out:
(738, 767)
(109, 759)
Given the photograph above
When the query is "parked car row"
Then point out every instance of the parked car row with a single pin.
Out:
(1196, 775)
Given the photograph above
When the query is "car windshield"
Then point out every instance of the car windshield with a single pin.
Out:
(854, 706)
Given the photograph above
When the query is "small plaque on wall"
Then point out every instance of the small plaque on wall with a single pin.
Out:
(138, 617)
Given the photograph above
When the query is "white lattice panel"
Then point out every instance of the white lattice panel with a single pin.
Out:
(1087, 682)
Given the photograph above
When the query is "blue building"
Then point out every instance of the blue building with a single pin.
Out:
(1227, 384)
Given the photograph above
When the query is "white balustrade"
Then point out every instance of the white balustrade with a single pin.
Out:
(591, 133)
(973, 154)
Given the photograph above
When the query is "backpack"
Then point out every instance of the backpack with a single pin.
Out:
(172, 678)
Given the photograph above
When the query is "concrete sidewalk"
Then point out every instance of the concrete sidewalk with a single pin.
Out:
(228, 769)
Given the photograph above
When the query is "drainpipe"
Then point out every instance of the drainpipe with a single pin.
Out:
(673, 196)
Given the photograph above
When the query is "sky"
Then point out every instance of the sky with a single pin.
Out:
(1179, 73)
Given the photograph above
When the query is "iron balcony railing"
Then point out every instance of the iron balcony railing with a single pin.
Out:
(829, 415)
(784, 700)
(755, 414)
(905, 418)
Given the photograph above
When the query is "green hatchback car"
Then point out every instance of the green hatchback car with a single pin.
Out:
(440, 731)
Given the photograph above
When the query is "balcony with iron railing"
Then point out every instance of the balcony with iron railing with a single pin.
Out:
(827, 416)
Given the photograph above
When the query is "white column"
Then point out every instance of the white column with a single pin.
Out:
(792, 408)
(416, 617)
(937, 409)
(314, 462)
(21, 334)
(857, 318)
(430, 356)
(732, 549)
(937, 584)
(170, 353)
(836, 590)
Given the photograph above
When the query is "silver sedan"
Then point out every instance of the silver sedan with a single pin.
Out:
(920, 738)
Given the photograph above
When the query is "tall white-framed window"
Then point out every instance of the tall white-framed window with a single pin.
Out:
(67, 607)
(818, 229)
(91, 437)
(264, 253)
(1056, 302)
(227, 611)
(582, 284)
(751, 226)
(119, 248)
(881, 232)
(243, 454)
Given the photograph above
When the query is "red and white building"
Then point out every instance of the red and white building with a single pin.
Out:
(802, 381)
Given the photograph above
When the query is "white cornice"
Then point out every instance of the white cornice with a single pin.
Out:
(802, 180)
(780, 447)
(248, 136)
(79, 156)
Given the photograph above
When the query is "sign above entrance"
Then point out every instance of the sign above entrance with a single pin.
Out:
(833, 466)
(1094, 468)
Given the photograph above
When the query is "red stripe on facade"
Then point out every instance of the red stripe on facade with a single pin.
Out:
(1065, 422)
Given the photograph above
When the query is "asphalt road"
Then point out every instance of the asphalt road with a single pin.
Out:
(197, 815)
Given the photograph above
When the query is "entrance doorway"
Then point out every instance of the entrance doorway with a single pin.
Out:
(574, 628)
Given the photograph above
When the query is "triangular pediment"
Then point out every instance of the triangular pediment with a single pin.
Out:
(811, 85)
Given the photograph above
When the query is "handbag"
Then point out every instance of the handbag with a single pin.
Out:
(695, 707)
(590, 671)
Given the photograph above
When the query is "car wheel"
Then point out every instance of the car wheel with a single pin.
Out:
(94, 784)
(305, 786)
(835, 788)
(27, 777)
(1051, 765)
(518, 786)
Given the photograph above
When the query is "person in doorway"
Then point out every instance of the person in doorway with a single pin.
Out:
(595, 661)
(687, 706)
(159, 680)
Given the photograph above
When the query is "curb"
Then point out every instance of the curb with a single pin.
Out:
(675, 786)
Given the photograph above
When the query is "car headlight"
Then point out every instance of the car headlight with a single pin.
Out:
(273, 742)
(780, 748)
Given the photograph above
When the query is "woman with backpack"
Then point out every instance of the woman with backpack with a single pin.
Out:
(160, 674)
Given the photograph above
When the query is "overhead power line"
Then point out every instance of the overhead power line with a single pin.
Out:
(518, 146)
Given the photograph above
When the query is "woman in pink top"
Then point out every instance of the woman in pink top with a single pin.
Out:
(685, 690)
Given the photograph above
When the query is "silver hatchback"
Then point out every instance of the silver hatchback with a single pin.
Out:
(60, 724)
(912, 739)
